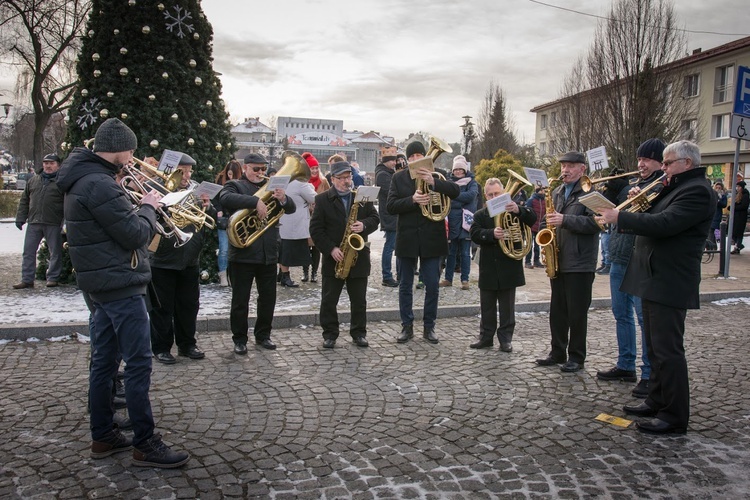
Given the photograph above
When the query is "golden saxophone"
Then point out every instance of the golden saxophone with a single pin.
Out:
(547, 238)
(351, 243)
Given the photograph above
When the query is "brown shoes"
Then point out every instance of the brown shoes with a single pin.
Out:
(444, 283)
(464, 285)
(22, 285)
(52, 284)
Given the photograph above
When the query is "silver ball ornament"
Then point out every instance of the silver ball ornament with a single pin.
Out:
(154, 144)
(123, 71)
(146, 30)
(95, 56)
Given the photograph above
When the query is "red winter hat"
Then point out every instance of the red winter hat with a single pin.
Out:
(310, 159)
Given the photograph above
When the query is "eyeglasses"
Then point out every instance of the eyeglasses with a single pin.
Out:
(343, 177)
(259, 169)
(669, 162)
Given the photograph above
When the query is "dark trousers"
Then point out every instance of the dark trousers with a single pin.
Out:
(329, 317)
(669, 388)
(429, 275)
(179, 296)
(242, 276)
(568, 314)
(490, 301)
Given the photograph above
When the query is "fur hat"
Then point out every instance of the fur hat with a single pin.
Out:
(310, 159)
(414, 148)
(113, 136)
(653, 149)
(459, 162)
(256, 158)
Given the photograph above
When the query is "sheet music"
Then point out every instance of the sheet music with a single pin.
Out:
(208, 188)
(596, 202)
(170, 199)
(497, 204)
(278, 182)
(422, 162)
(367, 193)
(536, 176)
(598, 158)
(169, 161)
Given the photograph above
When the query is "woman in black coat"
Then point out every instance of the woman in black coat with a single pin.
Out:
(741, 203)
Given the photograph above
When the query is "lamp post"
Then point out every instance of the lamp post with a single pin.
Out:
(468, 133)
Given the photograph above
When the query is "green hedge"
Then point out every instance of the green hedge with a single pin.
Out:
(9, 203)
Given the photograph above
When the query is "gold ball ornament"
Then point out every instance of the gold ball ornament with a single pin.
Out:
(152, 97)
(174, 117)
(104, 113)
(165, 75)
(123, 50)
(131, 2)
(97, 73)
(204, 275)
(192, 63)
(203, 123)
(116, 32)
(196, 36)
(124, 116)
(160, 6)
(84, 92)
(91, 32)
(210, 168)
(123, 71)
(209, 103)
(191, 142)
(229, 145)
(218, 147)
(95, 56)
(198, 80)
(110, 94)
(146, 30)
(160, 58)
(154, 144)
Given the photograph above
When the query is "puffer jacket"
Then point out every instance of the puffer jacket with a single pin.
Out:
(467, 199)
(41, 202)
(383, 176)
(107, 237)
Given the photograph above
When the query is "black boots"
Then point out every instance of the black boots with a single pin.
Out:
(407, 332)
(305, 274)
(482, 343)
(286, 280)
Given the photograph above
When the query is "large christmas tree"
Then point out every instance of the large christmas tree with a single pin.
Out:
(149, 64)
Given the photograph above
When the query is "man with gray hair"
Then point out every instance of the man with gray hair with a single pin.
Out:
(665, 272)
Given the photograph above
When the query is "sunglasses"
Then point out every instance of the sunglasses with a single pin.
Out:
(260, 169)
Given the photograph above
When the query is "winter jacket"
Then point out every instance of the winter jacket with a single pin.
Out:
(167, 256)
(537, 205)
(417, 236)
(240, 194)
(720, 206)
(107, 236)
(41, 202)
(296, 226)
(740, 214)
(383, 176)
(578, 235)
(467, 199)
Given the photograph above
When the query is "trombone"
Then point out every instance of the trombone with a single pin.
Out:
(587, 183)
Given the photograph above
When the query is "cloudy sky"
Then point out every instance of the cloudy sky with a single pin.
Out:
(401, 66)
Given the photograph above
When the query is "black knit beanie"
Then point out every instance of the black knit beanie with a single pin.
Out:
(113, 136)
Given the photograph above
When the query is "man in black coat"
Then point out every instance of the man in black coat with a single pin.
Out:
(499, 275)
(388, 222)
(665, 271)
(256, 262)
(418, 237)
(577, 235)
(108, 239)
(330, 219)
(175, 274)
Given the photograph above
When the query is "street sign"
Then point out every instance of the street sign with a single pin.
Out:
(740, 128)
(742, 95)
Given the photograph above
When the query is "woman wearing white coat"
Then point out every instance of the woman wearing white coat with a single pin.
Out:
(294, 230)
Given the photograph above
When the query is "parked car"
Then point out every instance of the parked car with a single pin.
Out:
(21, 180)
(9, 181)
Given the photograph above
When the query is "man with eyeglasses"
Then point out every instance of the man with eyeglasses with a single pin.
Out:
(665, 272)
(328, 225)
(256, 262)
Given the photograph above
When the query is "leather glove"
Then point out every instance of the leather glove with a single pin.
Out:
(19, 225)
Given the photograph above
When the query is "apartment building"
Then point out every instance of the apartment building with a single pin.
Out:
(708, 78)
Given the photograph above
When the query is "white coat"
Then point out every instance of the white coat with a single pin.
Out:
(296, 226)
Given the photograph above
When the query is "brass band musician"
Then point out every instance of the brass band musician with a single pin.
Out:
(334, 217)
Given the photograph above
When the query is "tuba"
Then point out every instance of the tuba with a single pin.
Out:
(546, 238)
(244, 226)
(440, 204)
(517, 241)
(351, 243)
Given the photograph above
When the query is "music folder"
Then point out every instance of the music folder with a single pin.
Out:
(596, 202)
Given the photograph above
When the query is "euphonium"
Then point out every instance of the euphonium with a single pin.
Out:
(244, 226)
(546, 238)
(440, 204)
(517, 241)
(351, 243)
(642, 201)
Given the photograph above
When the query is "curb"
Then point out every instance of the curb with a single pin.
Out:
(205, 324)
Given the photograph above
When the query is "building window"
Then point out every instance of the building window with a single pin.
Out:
(692, 85)
(688, 129)
(544, 122)
(554, 119)
(542, 148)
(723, 84)
(720, 126)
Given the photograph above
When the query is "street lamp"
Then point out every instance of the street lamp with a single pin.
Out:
(468, 134)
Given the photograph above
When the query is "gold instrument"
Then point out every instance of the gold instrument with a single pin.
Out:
(642, 201)
(587, 183)
(440, 204)
(547, 238)
(517, 241)
(136, 184)
(351, 243)
(244, 226)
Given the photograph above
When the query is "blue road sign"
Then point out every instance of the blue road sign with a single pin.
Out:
(742, 95)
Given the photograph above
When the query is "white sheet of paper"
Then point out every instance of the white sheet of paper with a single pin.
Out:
(173, 198)
(208, 188)
(278, 182)
(367, 193)
(497, 204)
(169, 161)
(536, 176)
(422, 162)
(597, 158)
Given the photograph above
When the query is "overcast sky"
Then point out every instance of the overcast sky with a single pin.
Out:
(401, 66)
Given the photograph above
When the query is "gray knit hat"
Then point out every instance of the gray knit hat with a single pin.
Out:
(113, 136)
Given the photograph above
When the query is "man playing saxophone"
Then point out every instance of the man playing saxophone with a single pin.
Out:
(335, 219)
(255, 262)
(576, 233)
(499, 274)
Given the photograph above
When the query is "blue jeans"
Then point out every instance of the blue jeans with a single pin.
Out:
(463, 248)
(430, 275)
(605, 248)
(121, 327)
(622, 308)
(388, 247)
(223, 250)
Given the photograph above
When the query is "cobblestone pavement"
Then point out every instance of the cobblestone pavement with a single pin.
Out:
(390, 421)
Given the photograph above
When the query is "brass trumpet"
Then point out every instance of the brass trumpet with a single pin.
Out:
(440, 204)
(642, 201)
(587, 183)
